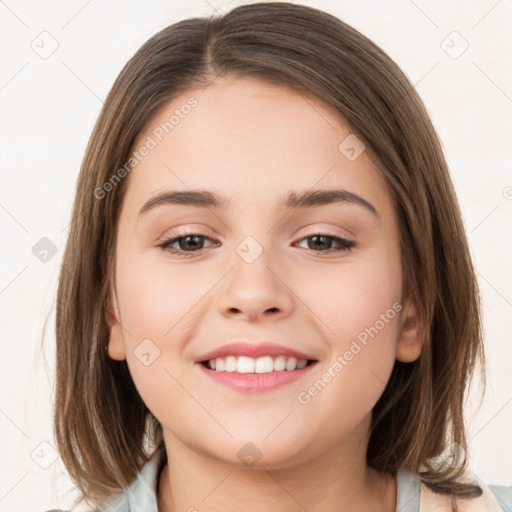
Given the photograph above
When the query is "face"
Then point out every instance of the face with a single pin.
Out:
(322, 279)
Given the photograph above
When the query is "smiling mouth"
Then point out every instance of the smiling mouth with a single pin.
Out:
(265, 364)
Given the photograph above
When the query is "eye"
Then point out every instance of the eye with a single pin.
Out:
(187, 243)
(323, 242)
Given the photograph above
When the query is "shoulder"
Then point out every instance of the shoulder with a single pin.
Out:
(117, 503)
(503, 495)
(414, 496)
(494, 498)
(140, 496)
(489, 501)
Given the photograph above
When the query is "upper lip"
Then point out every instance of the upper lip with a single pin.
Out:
(255, 350)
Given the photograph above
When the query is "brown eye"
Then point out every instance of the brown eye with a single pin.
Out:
(321, 242)
(187, 243)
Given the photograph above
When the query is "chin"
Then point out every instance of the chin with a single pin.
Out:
(261, 454)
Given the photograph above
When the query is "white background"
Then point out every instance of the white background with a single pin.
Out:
(47, 111)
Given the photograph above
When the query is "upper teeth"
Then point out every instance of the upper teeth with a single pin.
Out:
(265, 364)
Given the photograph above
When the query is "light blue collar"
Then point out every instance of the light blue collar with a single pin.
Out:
(408, 491)
(141, 495)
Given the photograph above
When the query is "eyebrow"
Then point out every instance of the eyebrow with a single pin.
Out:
(294, 199)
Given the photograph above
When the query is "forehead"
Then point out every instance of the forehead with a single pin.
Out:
(243, 113)
(245, 136)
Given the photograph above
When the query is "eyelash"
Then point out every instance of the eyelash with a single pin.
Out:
(346, 245)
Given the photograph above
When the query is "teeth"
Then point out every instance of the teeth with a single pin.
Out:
(279, 363)
(245, 365)
(265, 364)
(291, 364)
(301, 364)
(231, 365)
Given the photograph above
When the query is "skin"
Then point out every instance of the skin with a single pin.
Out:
(254, 142)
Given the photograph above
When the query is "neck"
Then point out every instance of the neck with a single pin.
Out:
(336, 480)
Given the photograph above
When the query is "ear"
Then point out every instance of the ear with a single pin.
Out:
(116, 349)
(411, 338)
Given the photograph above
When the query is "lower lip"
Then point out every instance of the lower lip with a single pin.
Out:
(256, 381)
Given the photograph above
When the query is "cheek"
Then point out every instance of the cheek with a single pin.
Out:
(155, 299)
(157, 306)
(351, 298)
(345, 303)
(360, 311)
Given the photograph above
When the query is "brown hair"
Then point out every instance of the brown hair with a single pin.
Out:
(101, 423)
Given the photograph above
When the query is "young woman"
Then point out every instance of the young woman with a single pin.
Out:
(267, 300)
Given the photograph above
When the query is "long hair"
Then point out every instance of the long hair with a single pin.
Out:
(101, 423)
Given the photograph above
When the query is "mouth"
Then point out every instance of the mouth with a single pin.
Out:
(260, 365)
(249, 367)
(250, 375)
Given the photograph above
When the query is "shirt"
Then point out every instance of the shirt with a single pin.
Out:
(412, 494)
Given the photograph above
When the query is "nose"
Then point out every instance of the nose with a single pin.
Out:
(256, 290)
